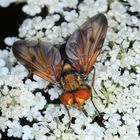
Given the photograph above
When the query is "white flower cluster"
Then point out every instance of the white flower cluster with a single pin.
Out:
(134, 5)
(46, 28)
(117, 78)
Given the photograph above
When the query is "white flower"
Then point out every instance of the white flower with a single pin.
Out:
(41, 82)
(109, 112)
(4, 54)
(118, 6)
(55, 6)
(109, 136)
(15, 129)
(31, 9)
(27, 132)
(36, 132)
(56, 35)
(52, 137)
(10, 40)
(102, 5)
(49, 23)
(135, 20)
(19, 69)
(3, 125)
(32, 113)
(137, 59)
(69, 135)
(5, 3)
(64, 29)
(70, 3)
(65, 121)
(39, 101)
(71, 16)
(113, 124)
(3, 69)
(3, 65)
(16, 103)
(125, 44)
(86, 8)
(51, 113)
(112, 69)
(123, 81)
(130, 122)
(136, 46)
(10, 104)
(72, 27)
(25, 97)
(114, 52)
(95, 131)
(25, 27)
(14, 81)
(134, 5)
(130, 127)
(54, 93)
(125, 134)
(31, 85)
(57, 133)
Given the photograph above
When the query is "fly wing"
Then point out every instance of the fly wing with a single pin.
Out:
(39, 58)
(85, 44)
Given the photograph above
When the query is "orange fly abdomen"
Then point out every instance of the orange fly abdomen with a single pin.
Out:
(67, 98)
(82, 95)
(77, 98)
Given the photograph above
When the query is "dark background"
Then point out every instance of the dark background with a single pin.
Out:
(10, 20)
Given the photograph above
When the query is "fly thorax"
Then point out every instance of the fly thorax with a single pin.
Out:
(71, 80)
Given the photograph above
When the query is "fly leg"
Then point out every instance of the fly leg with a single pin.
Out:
(84, 111)
(95, 105)
(68, 115)
(92, 84)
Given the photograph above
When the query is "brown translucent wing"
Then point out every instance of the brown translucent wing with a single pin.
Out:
(85, 44)
(39, 58)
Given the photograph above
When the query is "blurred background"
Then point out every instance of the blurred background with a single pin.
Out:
(10, 19)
